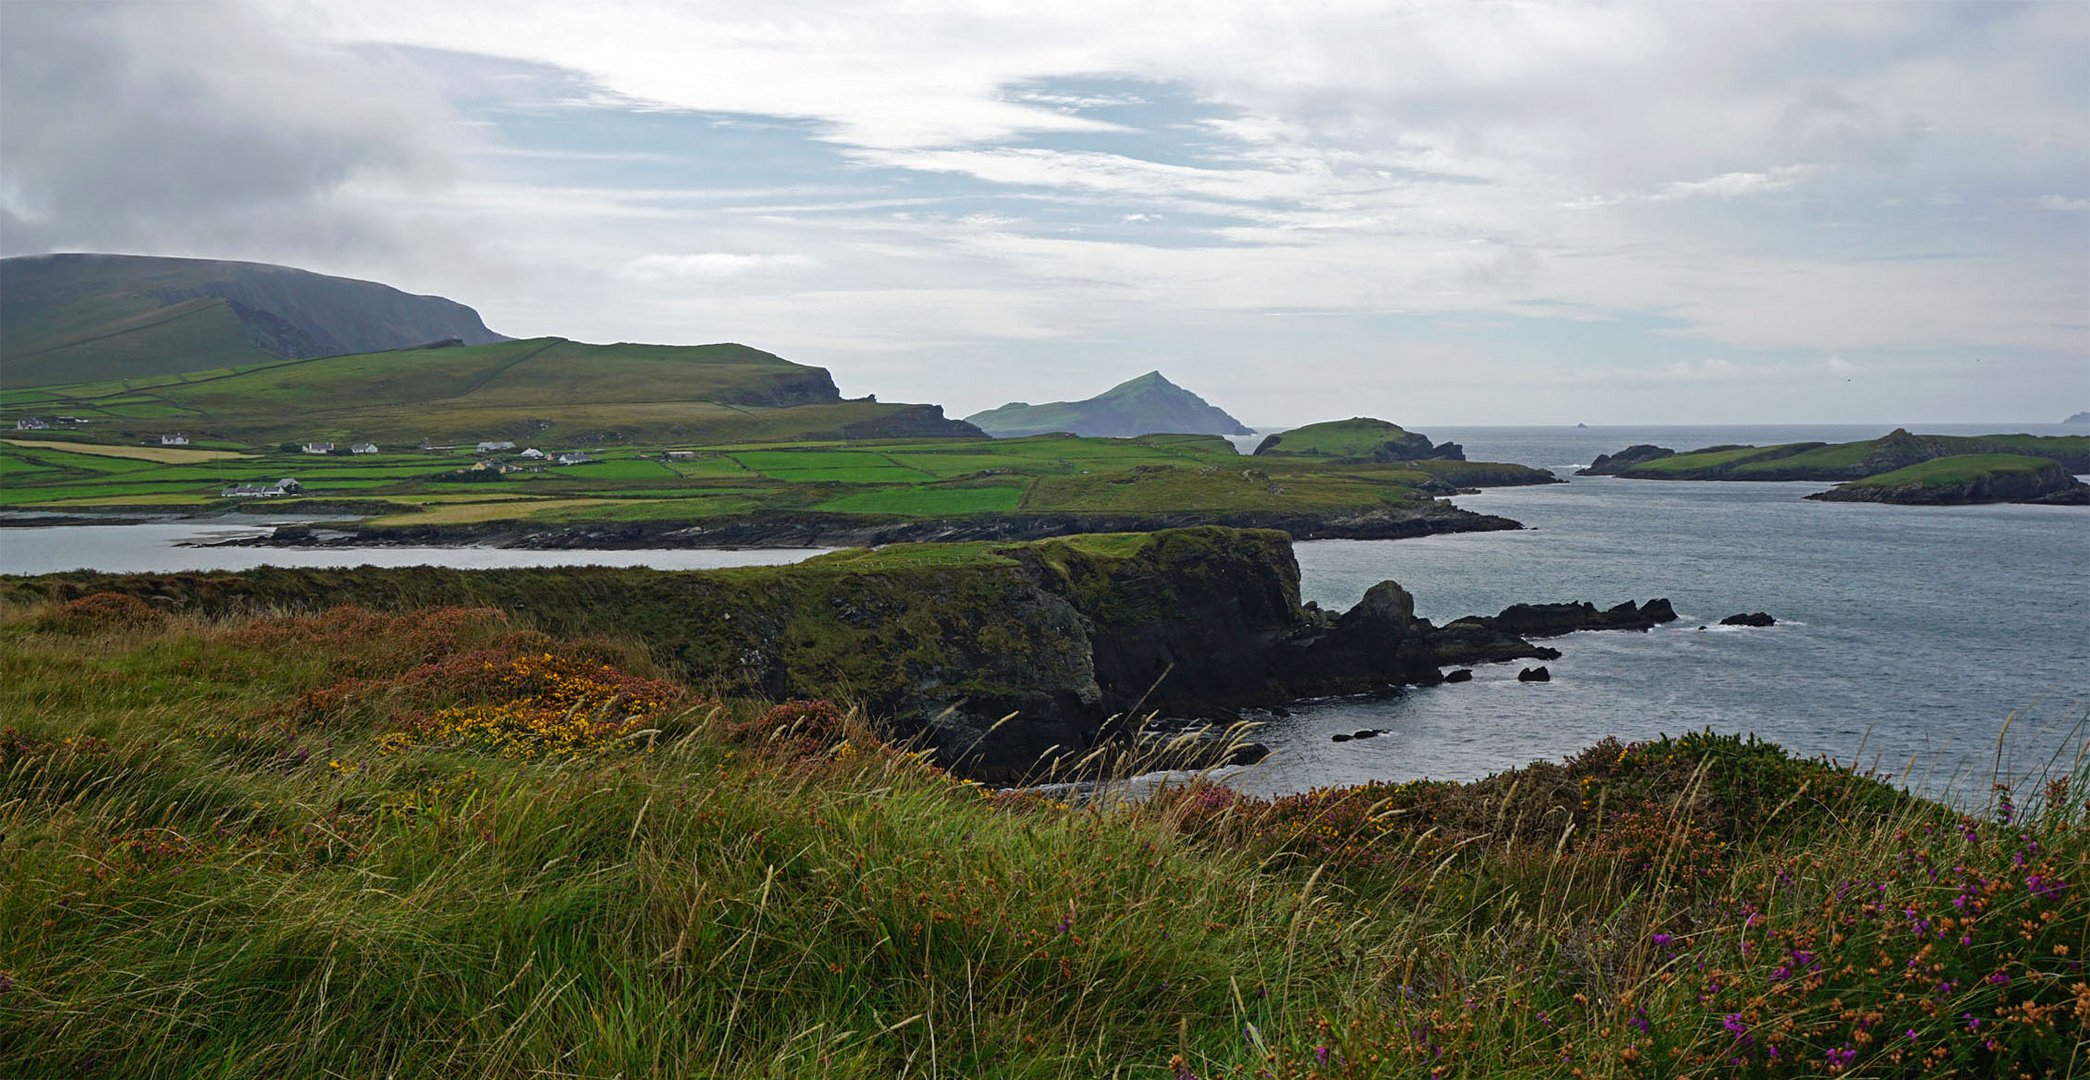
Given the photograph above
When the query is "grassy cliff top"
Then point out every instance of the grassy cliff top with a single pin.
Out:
(1958, 470)
(351, 843)
(1360, 438)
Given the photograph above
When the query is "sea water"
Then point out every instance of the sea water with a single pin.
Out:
(1907, 636)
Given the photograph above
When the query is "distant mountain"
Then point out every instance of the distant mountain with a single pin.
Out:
(80, 318)
(1148, 405)
(539, 388)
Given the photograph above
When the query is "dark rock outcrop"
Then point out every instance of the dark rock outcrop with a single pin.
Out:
(1011, 665)
(1967, 480)
(1535, 674)
(1757, 618)
(1459, 675)
(1613, 464)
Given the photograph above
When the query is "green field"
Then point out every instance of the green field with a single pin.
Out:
(871, 479)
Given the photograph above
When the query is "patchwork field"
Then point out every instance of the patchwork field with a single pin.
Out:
(870, 479)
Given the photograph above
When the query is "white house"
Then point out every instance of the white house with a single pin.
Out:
(285, 486)
(319, 448)
(492, 447)
(574, 458)
(176, 439)
(680, 455)
(32, 423)
(532, 454)
(363, 448)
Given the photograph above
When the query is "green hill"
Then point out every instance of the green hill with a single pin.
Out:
(69, 318)
(541, 388)
(1148, 405)
(1358, 439)
(1897, 449)
(1965, 479)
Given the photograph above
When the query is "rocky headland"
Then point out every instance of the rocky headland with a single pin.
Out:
(1008, 660)
(1966, 480)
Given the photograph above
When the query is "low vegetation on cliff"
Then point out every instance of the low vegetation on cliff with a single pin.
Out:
(440, 841)
(1967, 478)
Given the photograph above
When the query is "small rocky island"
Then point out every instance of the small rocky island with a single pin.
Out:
(1357, 440)
(1967, 479)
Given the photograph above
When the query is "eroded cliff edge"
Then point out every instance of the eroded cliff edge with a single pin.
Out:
(942, 642)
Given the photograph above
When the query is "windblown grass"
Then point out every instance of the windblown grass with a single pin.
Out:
(441, 843)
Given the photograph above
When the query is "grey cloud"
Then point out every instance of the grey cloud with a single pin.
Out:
(200, 129)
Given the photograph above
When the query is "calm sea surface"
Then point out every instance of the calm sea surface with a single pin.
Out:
(1909, 632)
(1904, 632)
(164, 547)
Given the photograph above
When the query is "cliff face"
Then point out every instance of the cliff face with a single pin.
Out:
(994, 656)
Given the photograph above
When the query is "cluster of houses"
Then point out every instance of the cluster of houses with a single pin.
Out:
(328, 448)
(285, 486)
(41, 423)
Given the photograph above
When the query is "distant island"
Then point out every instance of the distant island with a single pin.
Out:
(1896, 467)
(1147, 405)
(2081, 419)
(1356, 440)
(1965, 479)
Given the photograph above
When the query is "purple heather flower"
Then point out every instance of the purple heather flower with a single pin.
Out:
(1661, 940)
(1321, 1054)
(1733, 1023)
(1841, 1057)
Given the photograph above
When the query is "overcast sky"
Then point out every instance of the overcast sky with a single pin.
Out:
(1431, 212)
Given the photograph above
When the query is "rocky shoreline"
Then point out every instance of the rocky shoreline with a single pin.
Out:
(784, 530)
(1019, 663)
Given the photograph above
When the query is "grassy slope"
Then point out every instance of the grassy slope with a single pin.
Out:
(210, 869)
(544, 388)
(1957, 471)
(68, 318)
(1356, 438)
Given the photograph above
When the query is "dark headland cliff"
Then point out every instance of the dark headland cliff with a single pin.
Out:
(1000, 657)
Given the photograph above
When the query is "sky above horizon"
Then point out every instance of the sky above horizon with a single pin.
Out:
(1430, 212)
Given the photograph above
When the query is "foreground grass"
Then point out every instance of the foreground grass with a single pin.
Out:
(442, 843)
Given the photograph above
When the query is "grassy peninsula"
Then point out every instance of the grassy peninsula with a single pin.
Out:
(1966, 478)
(444, 842)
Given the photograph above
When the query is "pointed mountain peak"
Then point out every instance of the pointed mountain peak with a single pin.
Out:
(1144, 405)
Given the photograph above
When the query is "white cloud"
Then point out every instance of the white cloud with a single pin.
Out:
(1748, 178)
(712, 264)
